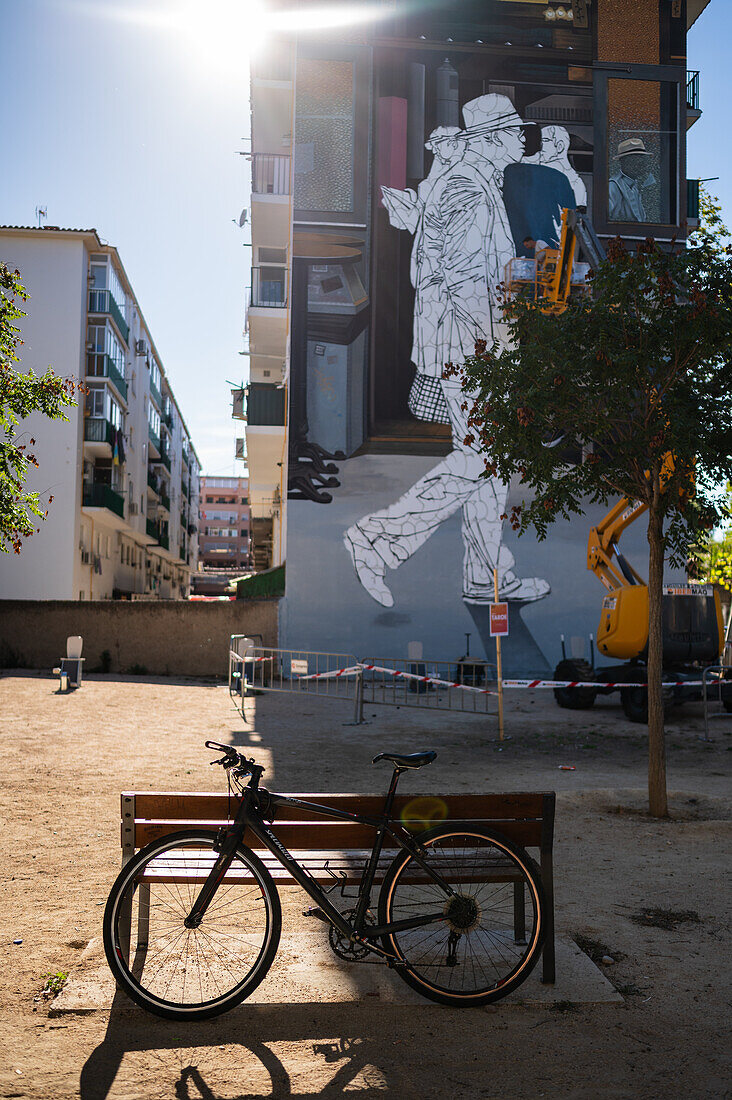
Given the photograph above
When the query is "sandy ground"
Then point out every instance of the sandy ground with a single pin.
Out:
(65, 758)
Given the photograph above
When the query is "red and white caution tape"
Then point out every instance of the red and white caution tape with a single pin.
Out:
(399, 674)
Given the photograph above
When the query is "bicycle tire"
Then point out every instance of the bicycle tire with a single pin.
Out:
(475, 954)
(223, 960)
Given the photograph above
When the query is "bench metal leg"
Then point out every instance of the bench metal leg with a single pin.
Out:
(519, 913)
(548, 971)
(143, 915)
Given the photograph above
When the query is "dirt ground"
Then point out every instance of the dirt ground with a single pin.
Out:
(653, 895)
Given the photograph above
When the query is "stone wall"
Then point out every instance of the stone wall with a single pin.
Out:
(174, 638)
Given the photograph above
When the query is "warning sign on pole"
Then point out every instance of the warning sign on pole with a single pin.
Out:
(499, 620)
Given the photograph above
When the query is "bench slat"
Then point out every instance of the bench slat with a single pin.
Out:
(299, 836)
(195, 806)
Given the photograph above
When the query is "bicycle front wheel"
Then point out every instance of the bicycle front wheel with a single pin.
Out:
(190, 973)
(484, 915)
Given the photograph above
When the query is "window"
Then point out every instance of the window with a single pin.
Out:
(154, 375)
(101, 341)
(104, 277)
(153, 419)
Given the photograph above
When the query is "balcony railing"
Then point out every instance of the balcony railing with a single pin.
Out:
(102, 301)
(154, 438)
(270, 174)
(692, 200)
(182, 553)
(692, 90)
(98, 430)
(265, 405)
(184, 455)
(165, 501)
(100, 365)
(164, 541)
(165, 458)
(104, 496)
(184, 489)
(269, 288)
(153, 482)
(152, 529)
(167, 416)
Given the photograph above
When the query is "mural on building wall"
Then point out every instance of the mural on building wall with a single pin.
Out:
(479, 204)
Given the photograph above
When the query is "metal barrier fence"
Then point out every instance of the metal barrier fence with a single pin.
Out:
(430, 685)
(718, 680)
(263, 668)
(466, 686)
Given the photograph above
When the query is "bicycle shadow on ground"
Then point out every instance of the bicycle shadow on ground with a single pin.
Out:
(230, 1057)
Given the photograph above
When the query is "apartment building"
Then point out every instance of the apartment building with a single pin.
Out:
(383, 153)
(224, 536)
(122, 470)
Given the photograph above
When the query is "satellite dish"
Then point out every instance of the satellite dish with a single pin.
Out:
(243, 218)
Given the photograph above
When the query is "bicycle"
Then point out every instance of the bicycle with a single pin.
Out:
(446, 917)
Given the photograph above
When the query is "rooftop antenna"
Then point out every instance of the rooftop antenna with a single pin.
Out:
(41, 214)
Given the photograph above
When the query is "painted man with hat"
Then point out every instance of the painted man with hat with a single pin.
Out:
(462, 242)
(626, 185)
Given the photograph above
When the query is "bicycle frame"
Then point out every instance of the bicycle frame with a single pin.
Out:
(250, 816)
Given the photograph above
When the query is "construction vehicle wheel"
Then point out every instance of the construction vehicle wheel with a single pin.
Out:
(635, 702)
(574, 698)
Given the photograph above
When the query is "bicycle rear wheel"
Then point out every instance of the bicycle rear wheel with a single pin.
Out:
(190, 973)
(492, 920)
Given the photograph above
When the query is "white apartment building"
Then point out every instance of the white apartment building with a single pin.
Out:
(263, 403)
(122, 470)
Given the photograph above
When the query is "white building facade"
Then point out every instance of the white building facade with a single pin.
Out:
(122, 470)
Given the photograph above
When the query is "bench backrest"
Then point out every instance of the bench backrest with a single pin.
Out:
(526, 818)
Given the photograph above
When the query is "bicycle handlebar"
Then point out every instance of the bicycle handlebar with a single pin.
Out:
(234, 759)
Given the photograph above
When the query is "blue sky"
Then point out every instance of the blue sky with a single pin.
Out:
(133, 125)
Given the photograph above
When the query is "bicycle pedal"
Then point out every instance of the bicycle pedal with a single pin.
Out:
(314, 911)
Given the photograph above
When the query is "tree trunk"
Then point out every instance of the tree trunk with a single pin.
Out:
(657, 800)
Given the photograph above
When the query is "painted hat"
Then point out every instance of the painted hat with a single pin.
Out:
(489, 113)
(442, 133)
(632, 145)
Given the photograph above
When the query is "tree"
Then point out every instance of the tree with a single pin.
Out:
(635, 373)
(20, 395)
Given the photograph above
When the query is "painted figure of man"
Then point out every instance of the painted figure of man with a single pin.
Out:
(626, 185)
(554, 153)
(462, 242)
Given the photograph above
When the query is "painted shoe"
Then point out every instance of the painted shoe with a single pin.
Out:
(514, 590)
(369, 565)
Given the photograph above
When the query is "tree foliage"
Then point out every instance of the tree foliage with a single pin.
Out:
(636, 372)
(20, 395)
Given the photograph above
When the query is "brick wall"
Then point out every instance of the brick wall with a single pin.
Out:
(176, 638)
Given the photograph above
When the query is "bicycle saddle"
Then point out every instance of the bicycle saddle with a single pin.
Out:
(412, 760)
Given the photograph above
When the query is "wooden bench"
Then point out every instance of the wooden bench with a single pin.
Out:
(327, 848)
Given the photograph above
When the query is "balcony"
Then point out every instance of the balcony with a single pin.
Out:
(156, 394)
(269, 288)
(165, 458)
(265, 405)
(152, 529)
(164, 541)
(192, 528)
(184, 490)
(100, 365)
(165, 500)
(98, 430)
(182, 553)
(167, 414)
(693, 110)
(102, 302)
(184, 455)
(692, 201)
(270, 174)
(104, 496)
(153, 482)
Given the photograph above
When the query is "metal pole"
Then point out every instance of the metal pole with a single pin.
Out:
(499, 668)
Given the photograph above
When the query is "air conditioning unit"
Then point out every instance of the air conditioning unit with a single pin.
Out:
(240, 451)
(134, 508)
(141, 347)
